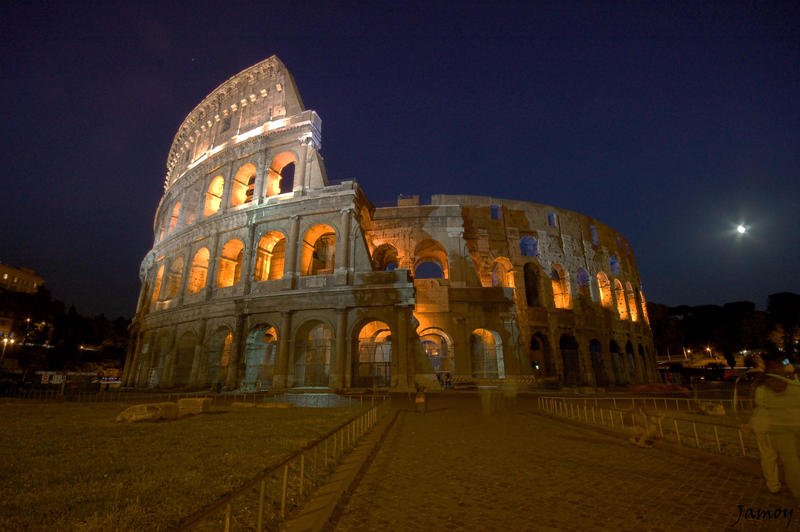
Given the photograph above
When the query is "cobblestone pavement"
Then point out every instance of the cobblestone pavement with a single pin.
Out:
(455, 468)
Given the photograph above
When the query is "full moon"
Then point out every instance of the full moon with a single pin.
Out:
(741, 229)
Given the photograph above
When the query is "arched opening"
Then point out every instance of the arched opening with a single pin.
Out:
(270, 257)
(385, 258)
(620, 375)
(313, 355)
(173, 218)
(604, 285)
(502, 274)
(438, 347)
(372, 368)
(259, 367)
(537, 355)
(214, 196)
(230, 263)
(644, 307)
(185, 359)
(160, 354)
(244, 183)
(319, 251)
(633, 368)
(157, 285)
(174, 277)
(571, 358)
(199, 271)
(531, 274)
(430, 260)
(613, 263)
(486, 353)
(642, 364)
(598, 367)
(619, 296)
(218, 358)
(561, 295)
(631, 302)
(280, 175)
(528, 246)
(582, 279)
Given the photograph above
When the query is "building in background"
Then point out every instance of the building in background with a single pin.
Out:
(263, 274)
(19, 279)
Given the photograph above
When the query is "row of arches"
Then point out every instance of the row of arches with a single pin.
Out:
(602, 368)
(317, 257)
(241, 190)
(310, 364)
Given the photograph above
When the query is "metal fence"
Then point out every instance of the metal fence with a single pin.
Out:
(675, 404)
(264, 501)
(719, 438)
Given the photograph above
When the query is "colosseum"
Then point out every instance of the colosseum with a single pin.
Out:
(265, 275)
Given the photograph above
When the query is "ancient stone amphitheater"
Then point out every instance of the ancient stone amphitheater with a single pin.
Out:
(264, 275)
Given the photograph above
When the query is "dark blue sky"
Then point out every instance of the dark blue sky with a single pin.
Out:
(669, 121)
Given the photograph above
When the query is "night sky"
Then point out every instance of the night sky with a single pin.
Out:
(670, 122)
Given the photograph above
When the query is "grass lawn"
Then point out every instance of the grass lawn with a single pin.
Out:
(70, 467)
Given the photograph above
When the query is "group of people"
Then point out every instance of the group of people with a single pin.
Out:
(776, 421)
(444, 381)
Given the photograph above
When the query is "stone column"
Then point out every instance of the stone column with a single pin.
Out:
(292, 244)
(213, 263)
(262, 174)
(170, 362)
(300, 174)
(249, 260)
(132, 359)
(279, 380)
(401, 357)
(232, 380)
(338, 379)
(462, 348)
(187, 269)
(343, 241)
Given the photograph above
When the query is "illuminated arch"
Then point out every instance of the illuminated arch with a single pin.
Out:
(157, 285)
(173, 218)
(184, 360)
(270, 257)
(372, 365)
(604, 285)
(486, 353)
(561, 295)
(438, 347)
(218, 356)
(619, 296)
(174, 277)
(430, 260)
(230, 263)
(319, 251)
(280, 175)
(243, 184)
(502, 274)
(644, 307)
(631, 296)
(199, 271)
(259, 364)
(385, 258)
(214, 196)
(313, 354)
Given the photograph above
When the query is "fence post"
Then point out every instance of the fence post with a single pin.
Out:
(741, 442)
(677, 432)
(696, 439)
(302, 473)
(260, 525)
(283, 492)
(716, 437)
(228, 517)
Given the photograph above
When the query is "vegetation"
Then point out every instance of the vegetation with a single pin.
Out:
(70, 467)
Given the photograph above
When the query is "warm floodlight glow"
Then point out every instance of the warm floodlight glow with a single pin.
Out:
(741, 229)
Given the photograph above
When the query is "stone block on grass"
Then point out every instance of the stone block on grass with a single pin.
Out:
(148, 412)
(194, 406)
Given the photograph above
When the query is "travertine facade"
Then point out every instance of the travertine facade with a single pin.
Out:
(264, 275)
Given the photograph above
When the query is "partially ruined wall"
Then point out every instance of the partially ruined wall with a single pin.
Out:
(263, 275)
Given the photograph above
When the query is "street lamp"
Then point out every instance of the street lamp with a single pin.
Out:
(5, 344)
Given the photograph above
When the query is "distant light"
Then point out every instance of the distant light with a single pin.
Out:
(741, 229)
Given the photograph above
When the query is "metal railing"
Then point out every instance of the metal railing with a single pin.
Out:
(676, 404)
(265, 500)
(719, 438)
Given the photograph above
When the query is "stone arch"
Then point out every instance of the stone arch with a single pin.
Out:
(319, 251)
(157, 284)
(644, 307)
(243, 185)
(531, 278)
(571, 360)
(314, 349)
(598, 365)
(430, 260)
(604, 286)
(385, 258)
(437, 345)
(218, 356)
(620, 374)
(643, 364)
(280, 174)
(486, 354)
(270, 257)
(631, 297)
(502, 273)
(582, 280)
(161, 351)
(174, 277)
(633, 368)
(214, 196)
(184, 358)
(560, 281)
(259, 363)
(174, 216)
(619, 296)
(538, 356)
(372, 363)
(230, 263)
(199, 271)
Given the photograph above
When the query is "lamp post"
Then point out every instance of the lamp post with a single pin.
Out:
(5, 344)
